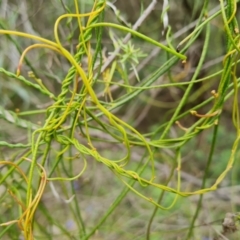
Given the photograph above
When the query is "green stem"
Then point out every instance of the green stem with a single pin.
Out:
(210, 157)
(159, 201)
(140, 35)
(189, 88)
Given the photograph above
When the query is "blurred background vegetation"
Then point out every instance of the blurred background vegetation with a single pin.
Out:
(149, 111)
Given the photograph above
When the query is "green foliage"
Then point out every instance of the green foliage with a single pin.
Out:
(80, 115)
